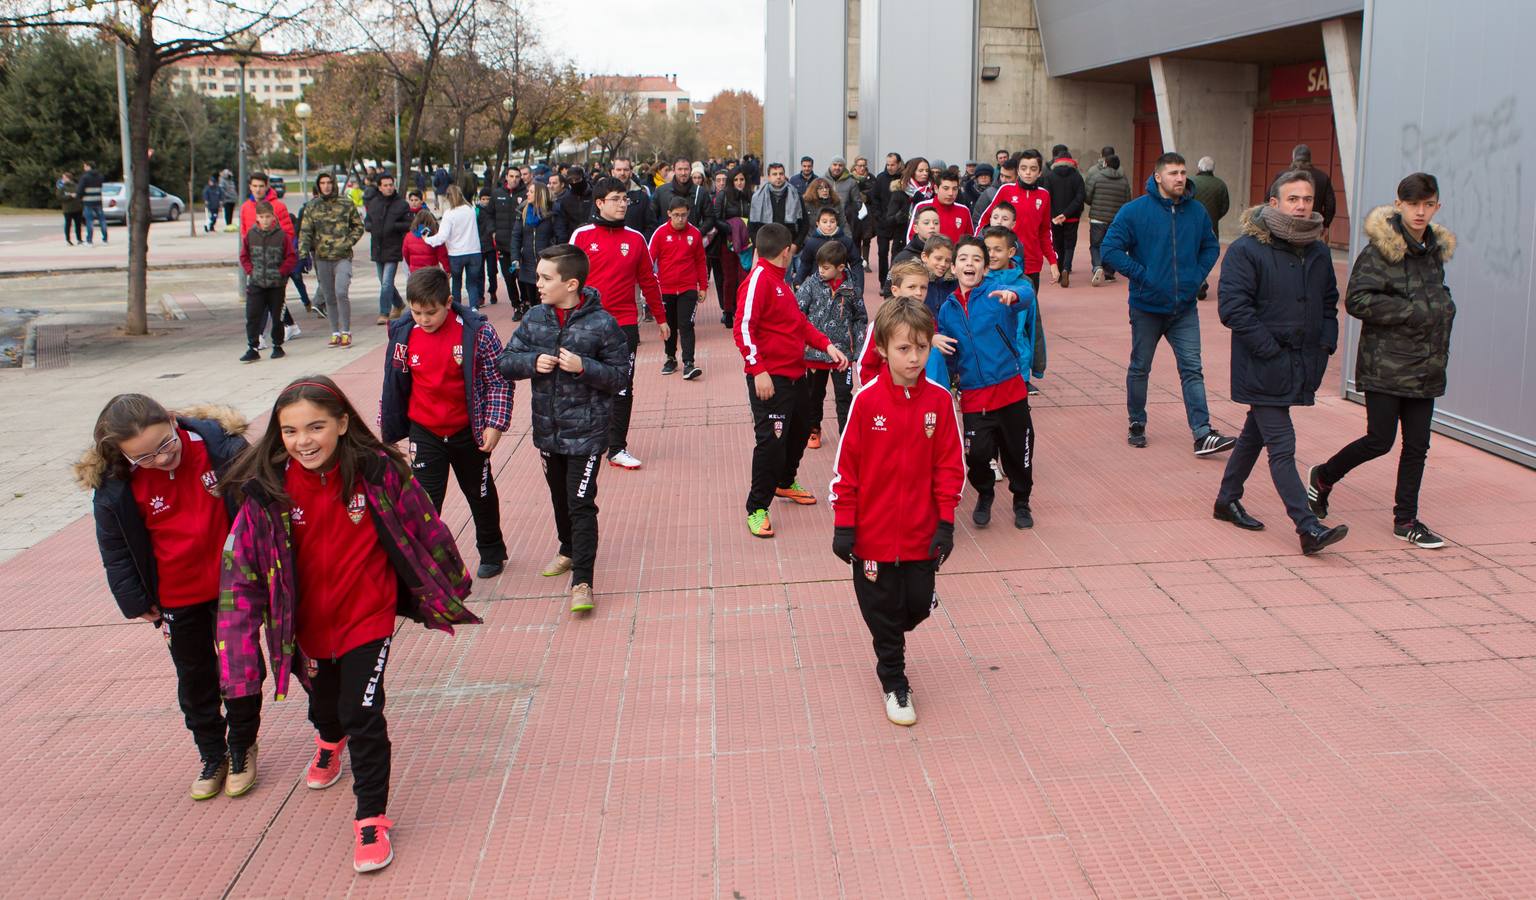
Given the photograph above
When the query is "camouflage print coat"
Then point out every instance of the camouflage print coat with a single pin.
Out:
(1402, 299)
(330, 228)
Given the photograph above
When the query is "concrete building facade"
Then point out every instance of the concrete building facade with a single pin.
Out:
(1367, 84)
(272, 81)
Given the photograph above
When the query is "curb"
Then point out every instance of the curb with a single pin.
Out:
(210, 264)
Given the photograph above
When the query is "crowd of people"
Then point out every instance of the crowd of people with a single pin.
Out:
(325, 529)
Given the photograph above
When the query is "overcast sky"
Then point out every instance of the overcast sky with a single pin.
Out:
(711, 45)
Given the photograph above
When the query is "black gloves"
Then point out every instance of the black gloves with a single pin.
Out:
(842, 543)
(943, 543)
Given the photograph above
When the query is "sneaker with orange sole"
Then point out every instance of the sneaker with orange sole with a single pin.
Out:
(346, 339)
(797, 494)
(758, 524)
(325, 768)
(373, 849)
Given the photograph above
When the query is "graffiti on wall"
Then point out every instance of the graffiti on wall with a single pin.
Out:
(1478, 163)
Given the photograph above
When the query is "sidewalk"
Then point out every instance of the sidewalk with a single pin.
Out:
(1130, 700)
(170, 246)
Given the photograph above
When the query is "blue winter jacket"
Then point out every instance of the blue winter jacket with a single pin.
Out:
(995, 340)
(1165, 247)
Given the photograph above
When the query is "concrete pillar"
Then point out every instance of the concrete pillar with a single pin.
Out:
(1341, 45)
(917, 97)
(852, 69)
(1206, 109)
(804, 88)
(778, 83)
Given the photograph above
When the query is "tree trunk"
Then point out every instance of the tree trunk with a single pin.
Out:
(191, 183)
(146, 66)
(419, 103)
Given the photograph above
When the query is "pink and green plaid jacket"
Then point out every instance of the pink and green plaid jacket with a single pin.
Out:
(259, 585)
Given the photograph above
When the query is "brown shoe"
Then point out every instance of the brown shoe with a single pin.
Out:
(211, 779)
(1066, 278)
(557, 566)
(581, 598)
(396, 312)
(242, 772)
(383, 320)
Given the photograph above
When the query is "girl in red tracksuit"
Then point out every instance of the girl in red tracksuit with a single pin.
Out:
(895, 486)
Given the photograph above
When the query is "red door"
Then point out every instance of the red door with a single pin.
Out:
(1276, 132)
(1149, 146)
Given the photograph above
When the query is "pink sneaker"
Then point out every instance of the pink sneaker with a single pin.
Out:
(373, 850)
(325, 768)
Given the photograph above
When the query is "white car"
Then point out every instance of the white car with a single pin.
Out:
(162, 205)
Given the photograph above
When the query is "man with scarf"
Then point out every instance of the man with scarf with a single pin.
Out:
(776, 203)
(1280, 297)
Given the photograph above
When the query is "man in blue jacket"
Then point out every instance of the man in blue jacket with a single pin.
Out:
(1280, 297)
(1164, 244)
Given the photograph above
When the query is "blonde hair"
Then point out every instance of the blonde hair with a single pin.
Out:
(899, 311)
(454, 196)
(908, 268)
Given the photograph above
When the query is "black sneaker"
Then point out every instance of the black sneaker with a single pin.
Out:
(1136, 436)
(1317, 494)
(1022, 519)
(278, 352)
(691, 371)
(1213, 442)
(1419, 535)
(981, 516)
(669, 367)
(725, 319)
(251, 355)
(517, 315)
(488, 570)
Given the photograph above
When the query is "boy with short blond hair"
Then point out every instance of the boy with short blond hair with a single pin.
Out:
(895, 487)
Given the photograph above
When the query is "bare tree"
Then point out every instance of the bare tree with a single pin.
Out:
(144, 28)
(617, 115)
(188, 110)
(552, 105)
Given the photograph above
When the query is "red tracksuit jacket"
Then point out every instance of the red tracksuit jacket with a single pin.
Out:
(770, 330)
(620, 262)
(954, 219)
(679, 258)
(900, 469)
(1032, 223)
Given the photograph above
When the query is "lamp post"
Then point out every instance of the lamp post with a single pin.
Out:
(453, 135)
(509, 105)
(303, 112)
(242, 44)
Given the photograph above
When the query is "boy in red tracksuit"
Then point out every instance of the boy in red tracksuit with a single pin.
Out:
(619, 263)
(954, 219)
(772, 333)
(1032, 217)
(678, 251)
(895, 486)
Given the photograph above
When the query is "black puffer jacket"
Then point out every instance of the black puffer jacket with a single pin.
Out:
(570, 412)
(388, 221)
(1282, 303)
(505, 205)
(121, 534)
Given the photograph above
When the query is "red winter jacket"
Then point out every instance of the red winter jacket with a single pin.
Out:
(770, 330)
(679, 258)
(1032, 223)
(279, 209)
(620, 262)
(418, 254)
(954, 219)
(899, 470)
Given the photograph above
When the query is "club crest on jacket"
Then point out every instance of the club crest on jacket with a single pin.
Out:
(930, 422)
(356, 507)
(210, 480)
(458, 354)
(624, 249)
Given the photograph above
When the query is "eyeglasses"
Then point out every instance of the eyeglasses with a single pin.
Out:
(167, 447)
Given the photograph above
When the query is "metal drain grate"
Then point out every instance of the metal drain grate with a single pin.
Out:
(50, 347)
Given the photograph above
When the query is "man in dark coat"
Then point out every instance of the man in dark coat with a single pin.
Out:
(1280, 297)
(1211, 193)
(1065, 185)
(1327, 204)
(506, 204)
(639, 215)
(388, 221)
(889, 213)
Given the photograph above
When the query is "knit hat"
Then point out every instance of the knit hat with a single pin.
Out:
(986, 169)
(840, 161)
(937, 165)
(698, 168)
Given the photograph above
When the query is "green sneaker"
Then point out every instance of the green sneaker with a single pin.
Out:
(795, 493)
(758, 524)
(581, 598)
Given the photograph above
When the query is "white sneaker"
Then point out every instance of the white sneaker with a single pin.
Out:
(899, 708)
(262, 344)
(866, 266)
(291, 332)
(997, 471)
(624, 460)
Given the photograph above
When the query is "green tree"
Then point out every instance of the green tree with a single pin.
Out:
(58, 108)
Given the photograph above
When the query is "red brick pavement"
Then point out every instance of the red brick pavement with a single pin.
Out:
(1129, 700)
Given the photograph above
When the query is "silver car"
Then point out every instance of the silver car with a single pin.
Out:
(162, 205)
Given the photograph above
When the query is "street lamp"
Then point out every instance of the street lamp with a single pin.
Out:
(509, 105)
(242, 43)
(303, 111)
(453, 135)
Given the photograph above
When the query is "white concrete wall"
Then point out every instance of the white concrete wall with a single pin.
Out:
(820, 82)
(778, 81)
(917, 78)
(1206, 109)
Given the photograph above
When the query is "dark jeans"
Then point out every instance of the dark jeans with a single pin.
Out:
(346, 700)
(816, 395)
(1382, 413)
(1269, 428)
(431, 458)
(1064, 239)
(1182, 330)
(508, 267)
(488, 262)
(624, 402)
(190, 637)
(680, 310)
(261, 304)
(229, 212)
(78, 221)
(465, 272)
(572, 484)
(94, 215)
(899, 598)
(1096, 232)
(297, 278)
(781, 429)
(1008, 433)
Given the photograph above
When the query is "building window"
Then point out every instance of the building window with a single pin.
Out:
(229, 73)
(656, 104)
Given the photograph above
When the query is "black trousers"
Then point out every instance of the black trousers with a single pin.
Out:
(504, 261)
(680, 314)
(431, 458)
(781, 427)
(1007, 434)
(624, 402)
(1268, 428)
(883, 249)
(346, 699)
(1064, 239)
(816, 395)
(78, 220)
(1383, 412)
(262, 304)
(572, 484)
(189, 634)
(899, 598)
(527, 295)
(488, 262)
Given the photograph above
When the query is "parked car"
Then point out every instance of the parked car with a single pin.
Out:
(162, 205)
(278, 185)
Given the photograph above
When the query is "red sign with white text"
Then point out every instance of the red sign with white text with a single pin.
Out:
(1303, 81)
